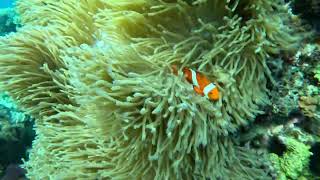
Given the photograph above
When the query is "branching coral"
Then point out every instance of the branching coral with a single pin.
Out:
(96, 75)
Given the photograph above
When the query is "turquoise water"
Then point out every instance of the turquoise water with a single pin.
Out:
(6, 3)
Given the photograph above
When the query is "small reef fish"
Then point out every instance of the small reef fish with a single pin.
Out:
(201, 84)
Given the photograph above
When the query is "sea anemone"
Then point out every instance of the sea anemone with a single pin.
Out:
(96, 76)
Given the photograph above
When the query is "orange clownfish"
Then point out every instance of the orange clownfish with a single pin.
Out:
(201, 83)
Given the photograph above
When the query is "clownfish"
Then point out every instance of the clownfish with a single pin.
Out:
(201, 84)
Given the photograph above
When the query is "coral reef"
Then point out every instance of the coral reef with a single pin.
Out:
(287, 143)
(293, 113)
(316, 72)
(295, 78)
(309, 10)
(16, 133)
(293, 161)
(310, 105)
(14, 172)
(315, 159)
(8, 21)
(10, 110)
(96, 77)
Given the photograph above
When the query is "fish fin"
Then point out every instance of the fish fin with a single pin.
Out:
(197, 90)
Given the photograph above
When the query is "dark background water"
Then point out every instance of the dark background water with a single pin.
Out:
(6, 3)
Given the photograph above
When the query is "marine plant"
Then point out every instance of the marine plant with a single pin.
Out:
(96, 76)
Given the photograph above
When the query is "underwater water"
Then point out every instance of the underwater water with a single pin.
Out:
(6, 3)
